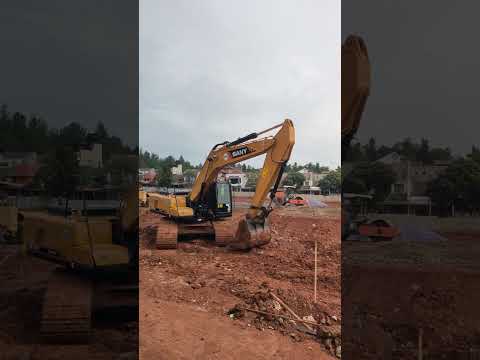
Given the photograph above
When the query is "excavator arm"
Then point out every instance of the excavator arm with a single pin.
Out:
(355, 86)
(253, 230)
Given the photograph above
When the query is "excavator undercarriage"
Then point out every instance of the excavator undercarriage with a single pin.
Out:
(168, 232)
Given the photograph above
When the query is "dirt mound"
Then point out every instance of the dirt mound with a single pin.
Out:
(220, 282)
(393, 291)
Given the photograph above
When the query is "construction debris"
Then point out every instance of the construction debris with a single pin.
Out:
(239, 286)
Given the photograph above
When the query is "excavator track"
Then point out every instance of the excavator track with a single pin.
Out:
(167, 234)
(224, 231)
(66, 313)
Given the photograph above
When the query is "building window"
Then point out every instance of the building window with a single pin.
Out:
(398, 188)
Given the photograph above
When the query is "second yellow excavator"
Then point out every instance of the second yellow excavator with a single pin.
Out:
(205, 210)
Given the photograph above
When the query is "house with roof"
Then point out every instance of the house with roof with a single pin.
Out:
(147, 176)
(90, 155)
(235, 176)
(18, 167)
(408, 192)
(311, 178)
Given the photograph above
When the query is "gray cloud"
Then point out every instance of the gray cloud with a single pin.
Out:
(424, 69)
(72, 61)
(215, 70)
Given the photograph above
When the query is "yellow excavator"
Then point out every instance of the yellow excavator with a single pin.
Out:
(355, 92)
(98, 250)
(207, 209)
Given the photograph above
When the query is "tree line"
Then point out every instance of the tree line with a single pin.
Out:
(407, 148)
(60, 173)
(457, 187)
(163, 166)
(331, 182)
(30, 133)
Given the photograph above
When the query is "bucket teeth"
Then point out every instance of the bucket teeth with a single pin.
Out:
(250, 235)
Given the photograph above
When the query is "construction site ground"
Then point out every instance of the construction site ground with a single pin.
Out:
(394, 291)
(192, 299)
(24, 281)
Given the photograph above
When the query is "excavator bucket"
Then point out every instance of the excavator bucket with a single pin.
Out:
(250, 234)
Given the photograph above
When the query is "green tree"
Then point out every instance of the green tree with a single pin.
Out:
(475, 154)
(407, 149)
(354, 185)
(101, 131)
(72, 135)
(371, 150)
(332, 181)
(164, 176)
(459, 186)
(423, 154)
(354, 154)
(60, 176)
(294, 179)
(442, 192)
(377, 178)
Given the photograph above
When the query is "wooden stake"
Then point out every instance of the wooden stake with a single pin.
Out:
(315, 275)
(420, 344)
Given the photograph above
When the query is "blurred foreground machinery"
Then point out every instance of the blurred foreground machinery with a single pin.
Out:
(97, 248)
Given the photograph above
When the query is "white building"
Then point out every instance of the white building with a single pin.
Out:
(90, 156)
(409, 191)
(412, 177)
(311, 178)
(237, 178)
(177, 170)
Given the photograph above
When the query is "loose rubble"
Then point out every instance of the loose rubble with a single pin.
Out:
(224, 283)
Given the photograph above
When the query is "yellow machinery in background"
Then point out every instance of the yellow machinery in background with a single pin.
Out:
(204, 210)
(76, 241)
(142, 198)
(99, 251)
(80, 239)
(8, 221)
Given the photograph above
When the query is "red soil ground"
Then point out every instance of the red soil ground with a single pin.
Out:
(189, 297)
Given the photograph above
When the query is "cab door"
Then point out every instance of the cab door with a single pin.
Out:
(224, 203)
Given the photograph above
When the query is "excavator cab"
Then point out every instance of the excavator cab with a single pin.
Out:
(217, 202)
(224, 202)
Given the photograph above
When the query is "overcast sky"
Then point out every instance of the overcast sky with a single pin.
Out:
(216, 70)
(72, 61)
(425, 76)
